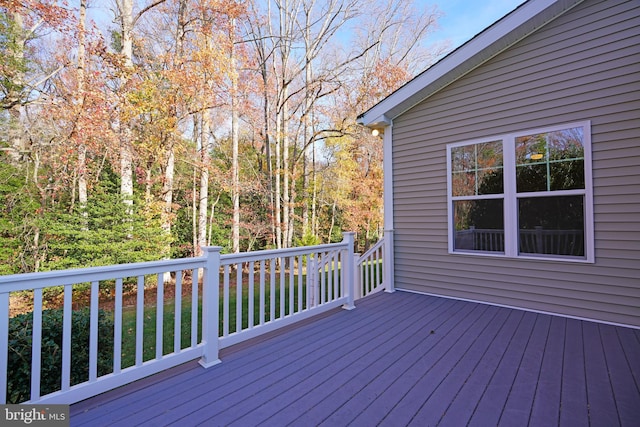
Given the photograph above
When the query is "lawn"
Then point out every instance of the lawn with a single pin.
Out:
(129, 319)
(272, 310)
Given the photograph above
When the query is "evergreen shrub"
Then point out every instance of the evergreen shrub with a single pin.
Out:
(20, 354)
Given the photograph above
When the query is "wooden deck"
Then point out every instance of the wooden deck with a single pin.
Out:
(399, 359)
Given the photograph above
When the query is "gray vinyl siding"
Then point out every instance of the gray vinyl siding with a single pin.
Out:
(584, 65)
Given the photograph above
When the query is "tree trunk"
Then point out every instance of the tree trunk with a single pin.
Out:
(314, 196)
(169, 169)
(167, 192)
(194, 211)
(17, 143)
(285, 172)
(167, 198)
(82, 148)
(267, 143)
(126, 157)
(147, 184)
(333, 221)
(262, 48)
(235, 175)
(204, 180)
(278, 172)
(307, 131)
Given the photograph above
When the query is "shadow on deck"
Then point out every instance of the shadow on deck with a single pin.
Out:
(399, 359)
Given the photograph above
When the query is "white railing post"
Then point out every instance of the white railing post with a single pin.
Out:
(349, 270)
(210, 310)
(311, 280)
(387, 261)
(357, 283)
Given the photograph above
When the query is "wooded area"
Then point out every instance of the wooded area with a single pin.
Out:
(140, 130)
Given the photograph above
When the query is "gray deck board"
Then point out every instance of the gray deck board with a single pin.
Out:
(493, 401)
(325, 398)
(574, 390)
(399, 359)
(462, 408)
(546, 402)
(402, 380)
(625, 387)
(437, 404)
(435, 372)
(602, 407)
(517, 409)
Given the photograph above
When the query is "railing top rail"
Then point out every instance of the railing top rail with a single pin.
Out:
(273, 253)
(26, 281)
(44, 279)
(373, 248)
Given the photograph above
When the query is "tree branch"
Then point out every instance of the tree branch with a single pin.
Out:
(145, 9)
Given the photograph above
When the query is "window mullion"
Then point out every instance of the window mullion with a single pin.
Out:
(547, 155)
(510, 199)
(475, 167)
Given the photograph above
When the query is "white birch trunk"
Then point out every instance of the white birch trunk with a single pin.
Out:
(204, 182)
(286, 221)
(82, 149)
(235, 175)
(126, 158)
(167, 190)
(278, 172)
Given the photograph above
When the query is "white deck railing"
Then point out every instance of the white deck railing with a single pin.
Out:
(278, 287)
(374, 268)
(271, 289)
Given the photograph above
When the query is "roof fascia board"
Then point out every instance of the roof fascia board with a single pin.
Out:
(380, 122)
(519, 23)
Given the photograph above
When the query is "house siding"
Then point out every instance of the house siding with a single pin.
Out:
(584, 65)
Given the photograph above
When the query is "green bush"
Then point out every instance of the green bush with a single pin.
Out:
(20, 344)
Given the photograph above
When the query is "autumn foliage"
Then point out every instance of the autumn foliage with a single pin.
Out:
(152, 129)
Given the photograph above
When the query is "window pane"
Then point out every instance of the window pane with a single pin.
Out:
(551, 225)
(489, 154)
(479, 225)
(567, 175)
(566, 144)
(530, 178)
(463, 158)
(550, 161)
(490, 181)
(477, 169)
(463, 184)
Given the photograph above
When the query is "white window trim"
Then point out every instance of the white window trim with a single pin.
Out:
(511, 196)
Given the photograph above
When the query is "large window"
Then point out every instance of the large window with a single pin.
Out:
(526, 194)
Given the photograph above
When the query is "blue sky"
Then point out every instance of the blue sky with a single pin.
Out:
(463, 19)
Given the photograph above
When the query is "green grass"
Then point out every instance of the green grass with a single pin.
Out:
(129, 319)
(129, 324)
(129, 316)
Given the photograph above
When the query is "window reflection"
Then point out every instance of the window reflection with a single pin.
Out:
(551, 225)
(479, 225)
(477, 169)
(550, 161)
